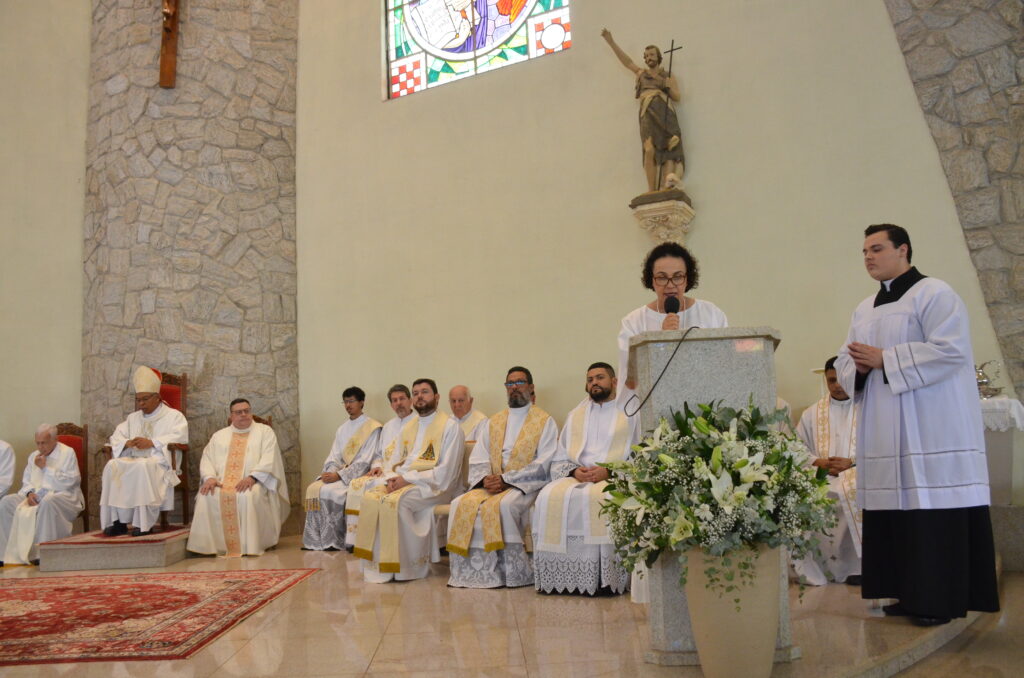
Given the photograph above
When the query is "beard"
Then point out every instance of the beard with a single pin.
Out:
(599, 394)
(517, 399)
(424, 409)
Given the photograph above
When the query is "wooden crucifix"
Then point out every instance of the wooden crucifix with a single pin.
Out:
(169, 44)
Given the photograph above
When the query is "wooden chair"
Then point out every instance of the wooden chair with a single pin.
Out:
(77, 438)
(174, 392)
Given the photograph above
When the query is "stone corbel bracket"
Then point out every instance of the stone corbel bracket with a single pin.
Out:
(665, 215)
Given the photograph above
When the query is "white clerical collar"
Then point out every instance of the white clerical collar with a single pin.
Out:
(235, 429)
(464, 419)
(840, 403)
(428, 417)
(154, 412)
(358, 419)
(407, 417)
(888, 284)
(609, 403)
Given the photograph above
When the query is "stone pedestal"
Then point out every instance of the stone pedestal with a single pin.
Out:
(730, 365)
(665, 215)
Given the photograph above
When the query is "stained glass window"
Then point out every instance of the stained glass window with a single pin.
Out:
(434, 42)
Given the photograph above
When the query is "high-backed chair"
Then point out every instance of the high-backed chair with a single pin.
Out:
(77, 438)
(174, 392)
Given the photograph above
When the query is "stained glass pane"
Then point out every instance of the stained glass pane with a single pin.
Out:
(434, 42)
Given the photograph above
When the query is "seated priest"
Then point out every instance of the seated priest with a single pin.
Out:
(471, 421)
(385, 456)
(355, 442)
(396, 516)
(489, 526)
(243, 499)
(139, 480)
(828, 429)
(6, 467)
(47, 504)
(573, 551)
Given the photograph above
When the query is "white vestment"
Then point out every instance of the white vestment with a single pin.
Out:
(511, 565)
(260, 511)
(840, 552)
(385, 457)
(416, 539)
(702, 314)
(325, 526)
(6, 467)
(920, 436)
(572, 547)
(138, 484)
(58, 488)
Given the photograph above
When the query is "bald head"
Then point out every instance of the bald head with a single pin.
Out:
(46, 438)
(460, 400)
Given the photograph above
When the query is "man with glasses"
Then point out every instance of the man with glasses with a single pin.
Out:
(139, 480)
(489, 529)
(354, 444)
(243, 499)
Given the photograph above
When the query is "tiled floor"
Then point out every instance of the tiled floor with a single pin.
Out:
(335, 625)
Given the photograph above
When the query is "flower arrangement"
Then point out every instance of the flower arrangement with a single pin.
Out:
(723, 480)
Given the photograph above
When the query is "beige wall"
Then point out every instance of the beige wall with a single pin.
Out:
(44, 61)
(465, 229)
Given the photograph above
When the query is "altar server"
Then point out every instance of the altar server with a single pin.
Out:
(354, 444)
(573, 551)
(922, 477)
(396, 516)
(139, 480)
(46, 505)
(6, 467)
(488, 527)
(828, 429)
(470, 420)
(243, 499)
(384, 459)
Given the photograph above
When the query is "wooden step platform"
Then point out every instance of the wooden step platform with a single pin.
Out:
(93, 551)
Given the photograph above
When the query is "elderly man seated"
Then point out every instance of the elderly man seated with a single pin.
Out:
(48, 502)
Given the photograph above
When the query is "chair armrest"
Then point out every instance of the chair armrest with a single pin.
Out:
(107, 451)
(180, 447)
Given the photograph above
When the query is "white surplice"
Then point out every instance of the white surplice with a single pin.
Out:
(58, 487)
(261, 510)
(510, 566)
(582, 561)
(381, 459)
(325, 527)
(138, 484)
(840, 552)
(920, 436)
(416, 538)
(6, 467)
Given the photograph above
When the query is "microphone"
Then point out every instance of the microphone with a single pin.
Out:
(671, 304)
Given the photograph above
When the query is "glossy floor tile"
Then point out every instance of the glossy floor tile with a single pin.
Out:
(333, 624)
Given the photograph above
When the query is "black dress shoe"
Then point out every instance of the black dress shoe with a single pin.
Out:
(136, 532)
(116, 529)
(853, 580)
(895, 610)
(36, 563)
(929, 621)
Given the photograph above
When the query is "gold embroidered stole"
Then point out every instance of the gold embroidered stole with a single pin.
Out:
(379, 507)
(352, 447)
(553, 536)
(480, 500)
(233, 474)
(475, 417)
(848, 478)
(357, 487)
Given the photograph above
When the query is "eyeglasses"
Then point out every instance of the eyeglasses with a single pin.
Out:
(517, 382)
(349, 401)
(662, 280)
(241, 412)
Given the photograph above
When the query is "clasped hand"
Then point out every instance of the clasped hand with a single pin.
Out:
(396, 483)
(865, 357)
(140, 443)
(494, 484)
(590, 474)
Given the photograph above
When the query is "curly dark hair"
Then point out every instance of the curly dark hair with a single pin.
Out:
(670, 249)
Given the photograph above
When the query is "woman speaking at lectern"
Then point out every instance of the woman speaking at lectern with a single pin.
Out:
(670, 271)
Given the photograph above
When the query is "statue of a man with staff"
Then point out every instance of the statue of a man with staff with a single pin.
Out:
(657, 92)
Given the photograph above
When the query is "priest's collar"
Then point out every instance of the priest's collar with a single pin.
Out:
(428, 417)
(235, 429)
(155, 412)
(520, 410)
(891, 290)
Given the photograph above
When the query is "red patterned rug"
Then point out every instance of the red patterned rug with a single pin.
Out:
(118, 617)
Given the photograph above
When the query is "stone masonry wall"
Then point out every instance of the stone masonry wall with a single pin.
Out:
(190, 217)
(966, 60)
